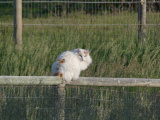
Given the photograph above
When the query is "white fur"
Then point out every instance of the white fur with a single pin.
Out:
(73, 65)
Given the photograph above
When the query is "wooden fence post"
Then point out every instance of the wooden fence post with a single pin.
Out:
(18, 23)
(142, 20)
(61, 101)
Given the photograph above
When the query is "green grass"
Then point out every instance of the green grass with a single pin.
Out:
(115, 49)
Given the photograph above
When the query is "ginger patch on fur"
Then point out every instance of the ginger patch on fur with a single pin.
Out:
(86, 53)
(61, 61)
(59, 74)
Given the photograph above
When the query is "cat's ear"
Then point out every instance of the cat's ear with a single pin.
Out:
(78, 50)
(87, 51)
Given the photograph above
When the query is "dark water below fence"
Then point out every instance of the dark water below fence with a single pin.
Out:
(82, 103)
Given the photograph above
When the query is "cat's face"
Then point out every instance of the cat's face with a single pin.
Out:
(82, 54)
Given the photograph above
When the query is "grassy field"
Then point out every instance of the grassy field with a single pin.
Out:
(115, 48)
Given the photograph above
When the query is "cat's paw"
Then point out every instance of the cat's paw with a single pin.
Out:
(75, 78)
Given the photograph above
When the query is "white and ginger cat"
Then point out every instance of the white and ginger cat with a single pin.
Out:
(70, 63)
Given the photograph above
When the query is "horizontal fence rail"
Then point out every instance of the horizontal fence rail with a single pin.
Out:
(29, 80)
(93, 81)
(87, 81)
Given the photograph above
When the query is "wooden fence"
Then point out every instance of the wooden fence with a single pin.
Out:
(82, 81)
(85, 81)
(18, 22)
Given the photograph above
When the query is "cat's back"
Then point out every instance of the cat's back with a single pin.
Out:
(68, 56)
(70, 62)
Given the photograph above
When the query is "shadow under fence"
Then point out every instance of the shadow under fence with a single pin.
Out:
(79, 102)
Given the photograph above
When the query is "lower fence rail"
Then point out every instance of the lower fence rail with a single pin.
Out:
(72, 102)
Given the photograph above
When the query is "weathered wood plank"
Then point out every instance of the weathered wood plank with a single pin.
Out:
(87, 81)
(95, 81)
(30, 80)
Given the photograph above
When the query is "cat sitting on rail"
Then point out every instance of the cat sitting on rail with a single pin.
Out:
(70, 63)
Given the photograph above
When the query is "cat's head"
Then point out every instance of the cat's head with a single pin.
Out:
(83, 54)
